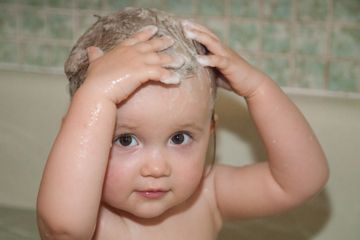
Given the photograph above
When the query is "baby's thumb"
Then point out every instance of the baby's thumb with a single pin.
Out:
(94, 53)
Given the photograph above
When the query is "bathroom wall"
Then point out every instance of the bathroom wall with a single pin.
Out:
(310, 44)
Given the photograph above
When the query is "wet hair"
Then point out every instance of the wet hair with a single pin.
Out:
(108, 31)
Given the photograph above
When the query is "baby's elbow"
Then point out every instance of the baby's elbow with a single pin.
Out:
(57, 230)
(315, 184)
(322, 176)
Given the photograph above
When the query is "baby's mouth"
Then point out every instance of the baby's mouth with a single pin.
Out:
(153, 194)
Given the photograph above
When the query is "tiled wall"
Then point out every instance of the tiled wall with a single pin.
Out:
(311, 44)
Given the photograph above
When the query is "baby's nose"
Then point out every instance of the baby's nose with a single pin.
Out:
(156, 165)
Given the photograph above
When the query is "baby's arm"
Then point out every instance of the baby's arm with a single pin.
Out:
(296, 168)
(71, 187)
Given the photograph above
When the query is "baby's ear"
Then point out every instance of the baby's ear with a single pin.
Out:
(94, 53)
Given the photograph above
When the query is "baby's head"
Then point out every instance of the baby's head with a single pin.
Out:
(110, 30)
(162, 130)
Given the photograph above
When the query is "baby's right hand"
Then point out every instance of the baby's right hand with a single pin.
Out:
(119, 72)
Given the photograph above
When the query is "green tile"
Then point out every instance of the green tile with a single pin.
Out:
(85, 21)
(150, 4)
(8, 52)
(36, 3)
(344, 76)
(244, 36)
(89, 4)
(348, 10)
(181, 7)
(346, 41)
(58, 55)
(216, 25)
(116, 4)
(278, 69)
(311, 39)
(32, 23)
(309, 73)
(244, 8)
(278, 9)
(9, 1)
(60, 3)
(8, 23)
(211, 7)
(276, 38)
(60, 26)
(312, 9)
(35, 54)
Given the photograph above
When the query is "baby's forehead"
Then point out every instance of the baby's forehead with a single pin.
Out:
(158, 106)
(191, 87)
(191, 94)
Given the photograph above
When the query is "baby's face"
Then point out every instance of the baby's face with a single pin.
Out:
(158, 157)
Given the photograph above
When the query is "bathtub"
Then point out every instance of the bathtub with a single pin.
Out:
(31, 107)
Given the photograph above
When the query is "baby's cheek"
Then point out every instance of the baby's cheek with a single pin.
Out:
(116, 180)
(110, 183)
(192, 172)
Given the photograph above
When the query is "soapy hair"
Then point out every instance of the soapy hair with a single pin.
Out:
(109, 31)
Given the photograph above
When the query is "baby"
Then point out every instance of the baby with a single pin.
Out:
(130, 162)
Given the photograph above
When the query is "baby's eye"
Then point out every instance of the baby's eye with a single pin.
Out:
(181, 138)
(126, 140)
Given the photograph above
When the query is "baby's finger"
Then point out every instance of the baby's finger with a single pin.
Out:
(163, 75)
(175, 62)
(213, 61)
(165, 60)
(211, 43)
(189, 25)
(142, 35)
(156, 44)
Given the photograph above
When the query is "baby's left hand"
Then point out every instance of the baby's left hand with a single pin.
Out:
(243, 78)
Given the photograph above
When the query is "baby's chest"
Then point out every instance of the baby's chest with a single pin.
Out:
(189, 230)
(195, 225)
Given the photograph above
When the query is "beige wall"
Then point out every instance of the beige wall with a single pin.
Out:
(31, 107)
(335, 212)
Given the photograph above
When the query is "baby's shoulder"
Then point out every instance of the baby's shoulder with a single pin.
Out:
(208, 192)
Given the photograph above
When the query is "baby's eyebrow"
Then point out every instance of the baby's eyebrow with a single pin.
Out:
(126, 125)
(193, 126)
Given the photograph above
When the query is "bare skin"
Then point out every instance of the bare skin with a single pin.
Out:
(125, 165)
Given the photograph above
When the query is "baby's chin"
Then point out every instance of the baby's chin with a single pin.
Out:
(153, 213)
(154, 210)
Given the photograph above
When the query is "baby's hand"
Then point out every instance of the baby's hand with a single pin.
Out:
(136, 60)
(240, 75)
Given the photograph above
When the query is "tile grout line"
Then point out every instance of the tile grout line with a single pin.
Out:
(227, 21)
(293, 36)
(328, 54)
